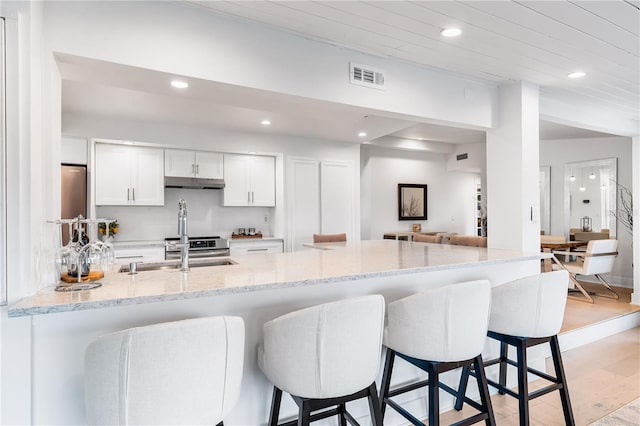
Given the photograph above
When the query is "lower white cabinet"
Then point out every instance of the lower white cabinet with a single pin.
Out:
(241, 247)
(128, 254)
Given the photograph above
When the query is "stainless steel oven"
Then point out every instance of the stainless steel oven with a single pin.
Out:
(199, 247)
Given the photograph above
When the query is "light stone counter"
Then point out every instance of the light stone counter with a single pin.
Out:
(341, 262)
(48, 358)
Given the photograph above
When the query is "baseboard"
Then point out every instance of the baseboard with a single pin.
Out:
(593, 332)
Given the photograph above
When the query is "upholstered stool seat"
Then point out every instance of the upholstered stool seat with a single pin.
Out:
(182, 372)
(325, 356)
(525, 313)
(437, 331)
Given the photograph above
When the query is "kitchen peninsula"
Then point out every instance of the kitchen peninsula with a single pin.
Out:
(257, 288)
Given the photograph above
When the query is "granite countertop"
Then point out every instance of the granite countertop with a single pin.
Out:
(335, 263)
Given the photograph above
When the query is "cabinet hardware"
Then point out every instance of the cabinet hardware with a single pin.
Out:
(133, 191)
(127, 194)
(258, 249)
(252, 197)
(248, 197)
(197, 169)
(193, 169)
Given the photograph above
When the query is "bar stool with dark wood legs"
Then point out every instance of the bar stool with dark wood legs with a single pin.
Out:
(180, 372)
(324, 357)
(525, 313)
(439, 330)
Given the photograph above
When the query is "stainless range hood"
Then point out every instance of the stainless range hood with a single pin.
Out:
(192, 183)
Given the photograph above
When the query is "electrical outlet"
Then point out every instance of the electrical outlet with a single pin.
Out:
(266, 218)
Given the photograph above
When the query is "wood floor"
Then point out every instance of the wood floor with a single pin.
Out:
(580, 314)
(602, 376)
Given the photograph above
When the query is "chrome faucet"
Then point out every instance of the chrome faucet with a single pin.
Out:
(182, 233)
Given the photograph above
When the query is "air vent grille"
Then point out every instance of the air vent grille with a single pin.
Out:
(364, 75)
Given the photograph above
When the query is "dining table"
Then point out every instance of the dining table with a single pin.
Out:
(549, 247)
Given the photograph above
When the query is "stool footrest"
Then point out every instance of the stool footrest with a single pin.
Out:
(408, 388)
(404, 413)
(471, 420)
(538, 373)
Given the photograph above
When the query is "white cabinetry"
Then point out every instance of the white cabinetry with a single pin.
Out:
(321, 200)
(201, 164)
(125, 255)
(128, 175)
(257, 246)
(250, 180)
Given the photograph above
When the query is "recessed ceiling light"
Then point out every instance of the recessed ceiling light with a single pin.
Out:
(265, 122)
(362, 134)
(577, 74)
(451, 32)
(179, 84)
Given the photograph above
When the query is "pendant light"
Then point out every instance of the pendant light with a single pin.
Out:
(582, 188)
(592, 176)
(572, 178)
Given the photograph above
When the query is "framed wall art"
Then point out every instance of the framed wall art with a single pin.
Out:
(412, 201)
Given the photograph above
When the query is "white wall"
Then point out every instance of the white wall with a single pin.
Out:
(207, 216)
(190, 41)
(450, 195)
(556, 153)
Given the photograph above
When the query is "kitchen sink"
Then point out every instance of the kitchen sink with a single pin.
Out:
(173, 265)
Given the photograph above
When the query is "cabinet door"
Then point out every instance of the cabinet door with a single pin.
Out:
(179, 163)
(236, 181)
(112, 175)
(263, 181)
(256, 247)
(336, 193)
(148, 176)
(304, 201)
(209, 165)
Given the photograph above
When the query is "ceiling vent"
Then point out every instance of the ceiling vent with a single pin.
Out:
(364, 75)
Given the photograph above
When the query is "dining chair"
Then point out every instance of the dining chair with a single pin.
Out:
(596, 260)
(329, 238)
(468, 240)
(420, 238)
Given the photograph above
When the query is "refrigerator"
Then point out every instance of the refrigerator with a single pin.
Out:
(73, 198)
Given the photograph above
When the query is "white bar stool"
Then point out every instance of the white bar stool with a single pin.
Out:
(182, 372)
(525, 313)
(437, 331)
(325, 356)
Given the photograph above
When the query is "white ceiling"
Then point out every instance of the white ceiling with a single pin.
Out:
(536, 41)
(502, 41)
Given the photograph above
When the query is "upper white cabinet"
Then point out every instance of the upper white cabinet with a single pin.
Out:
(250, 180)
(128, 175)
(200, 164)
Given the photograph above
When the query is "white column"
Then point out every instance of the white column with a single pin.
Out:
(635, 189)
(513, 193)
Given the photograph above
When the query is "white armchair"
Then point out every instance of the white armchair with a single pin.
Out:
(596, 260)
